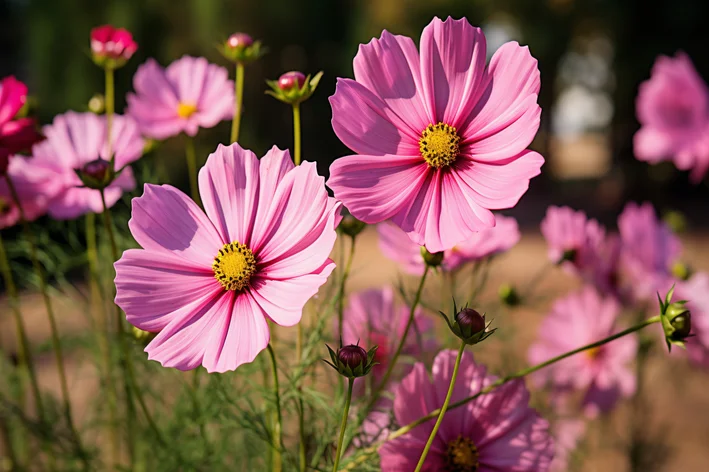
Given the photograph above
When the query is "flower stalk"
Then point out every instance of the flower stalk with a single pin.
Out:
(343, 425)
(238, 101)
(191, 157)
(277, 429)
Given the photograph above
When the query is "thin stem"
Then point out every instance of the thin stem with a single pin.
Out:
(110, 107)
(191, 156)
(400, 347)
(343, 425)
(8, 445)
(238, 100)
(277, 439)
(341, 291)
(296, 133)
(56, 344)
(522, 373)
(104, 336)
(432, 436)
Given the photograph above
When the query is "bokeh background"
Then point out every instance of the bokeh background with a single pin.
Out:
(592, 54)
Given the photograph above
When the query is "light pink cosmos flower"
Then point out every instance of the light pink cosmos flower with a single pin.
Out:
(109, 42)
(583, 247)
(696, 290)
(209, 283)
(16, 135)
(603, 373)
(29, 181)
(373, 317)
(648, 250)
(567, 435)
(673, 109)
(189, 94)
(497, 431)
(397, 246)
(439, 138)
(73, 140)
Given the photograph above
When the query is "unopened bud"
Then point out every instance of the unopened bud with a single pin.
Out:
(239, 40)
(508, 295)
(432, 259)
(97, 174)
(142, 337)
(681, 271)
(470, 322)
(351, 226)
(291, 79)
(241, 48)
(352, 361)
(293, 87)
(676, 320)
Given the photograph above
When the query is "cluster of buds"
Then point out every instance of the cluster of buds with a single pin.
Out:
(240, 48)
(469, 325)
(676, 320)
(97, 174)
(352, 361)
(351, 226)
(293, 87)
(111, 47)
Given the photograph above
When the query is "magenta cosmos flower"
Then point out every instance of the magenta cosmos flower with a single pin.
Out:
(673, 109)
(189, 94)
(208, 284)
(16, 135)
(30, 183)
(373, 317)
(397, 246)
(74, 140)
(649, 249)
(495, 432)
(112, 46)
(603, 373)
(440, 139)
(582, 246)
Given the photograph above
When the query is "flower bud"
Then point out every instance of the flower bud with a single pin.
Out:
(293, 87)
(508, 295)
(682, 324)
(112, 47)
(432, 259)
(97, 104)
(351, 226)
(469, 325)
(352, 361)
(681, 270)
(240, 48)
(676, 320)
(97, 174)
(142, 337)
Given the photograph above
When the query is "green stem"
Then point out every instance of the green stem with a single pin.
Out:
(277, 429)
(343, 425)
(56, 344)
(238, 100)
(432, 436)
(400, 347)
(104, 337)
(341, 291)
(522, 373)
(110, 107)
(9, 448)
(191, 156)
(296, 133)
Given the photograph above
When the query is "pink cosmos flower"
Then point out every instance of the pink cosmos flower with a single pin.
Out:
(649, 248)
(495, 432)
(673, 109)
(108, 42)
(567, 435)
(603, 373)
(583, 247)
(16, 135)
(73, 140)
(29, 181)
(397, 246)
(209, 283)
(696, 290)
(373, 318)
(189, 94)
(439, 138)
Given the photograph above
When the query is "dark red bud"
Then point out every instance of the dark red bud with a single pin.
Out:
(97, 169)
(470, 320)
(352, 356)
(239, 40)
(291, 79)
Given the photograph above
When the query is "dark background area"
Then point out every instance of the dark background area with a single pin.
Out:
(46, 44)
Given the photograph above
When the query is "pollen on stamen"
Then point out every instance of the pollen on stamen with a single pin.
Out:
(439, 145)
(234, 265)
(462, 455)
(185, 110)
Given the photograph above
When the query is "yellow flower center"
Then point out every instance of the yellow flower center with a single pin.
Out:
(439, 145)
(462, 456)
(234, 266)
(594, 352)
(185, 110)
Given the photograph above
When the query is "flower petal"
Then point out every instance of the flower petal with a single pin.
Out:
(13, 94)
(151, 286)
(390, 68)
(165, 219)
(367, 125)
(453, 55)
(228, 185)
(375, 188)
